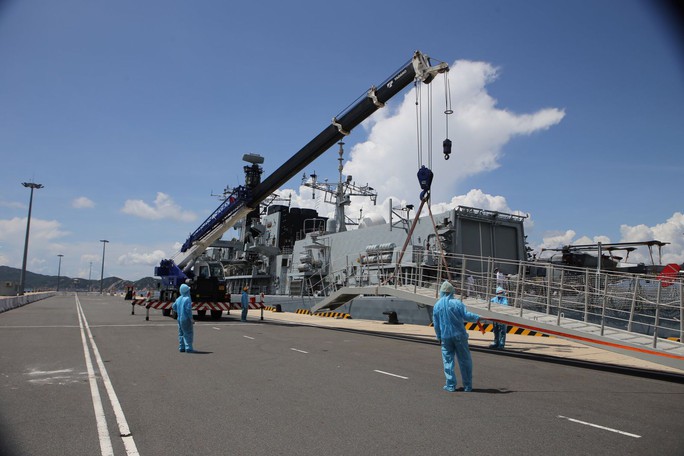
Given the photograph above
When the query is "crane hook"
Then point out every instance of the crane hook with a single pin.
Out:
(446, 147)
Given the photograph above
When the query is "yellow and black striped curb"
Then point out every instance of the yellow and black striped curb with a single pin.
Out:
(325, 314)
(511, 330)
(333, 315)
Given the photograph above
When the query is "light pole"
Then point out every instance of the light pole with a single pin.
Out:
(104, 244)
(59, 269)
(32, 186)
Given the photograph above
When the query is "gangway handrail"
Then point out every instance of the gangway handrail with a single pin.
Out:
(634, 305)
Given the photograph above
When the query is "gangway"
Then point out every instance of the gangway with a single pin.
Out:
(642, 346)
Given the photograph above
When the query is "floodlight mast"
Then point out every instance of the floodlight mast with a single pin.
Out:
(22, 278)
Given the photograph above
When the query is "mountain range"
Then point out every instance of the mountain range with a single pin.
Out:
(33, 281)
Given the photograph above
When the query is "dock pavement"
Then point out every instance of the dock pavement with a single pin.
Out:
(550, 348)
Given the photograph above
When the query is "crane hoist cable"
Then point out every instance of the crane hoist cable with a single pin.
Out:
(425, 174)
(446, 144)
(425, 133)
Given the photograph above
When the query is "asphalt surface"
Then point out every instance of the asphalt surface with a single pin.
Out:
(280, 387)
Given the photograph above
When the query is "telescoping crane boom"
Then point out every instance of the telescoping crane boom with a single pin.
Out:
(247, 198)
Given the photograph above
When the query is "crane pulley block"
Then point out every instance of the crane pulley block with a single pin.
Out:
(446, 147)
(425, 176)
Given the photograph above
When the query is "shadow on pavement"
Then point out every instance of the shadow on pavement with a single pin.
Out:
(491, 391)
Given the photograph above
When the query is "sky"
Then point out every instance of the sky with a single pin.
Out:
(134, 116)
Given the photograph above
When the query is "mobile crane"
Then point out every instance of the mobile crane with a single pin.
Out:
(209, 292)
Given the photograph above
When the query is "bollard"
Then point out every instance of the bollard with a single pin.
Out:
(133, 309)
(147, 313)
(392, 318)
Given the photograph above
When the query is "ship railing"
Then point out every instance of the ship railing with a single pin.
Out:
(637, 303)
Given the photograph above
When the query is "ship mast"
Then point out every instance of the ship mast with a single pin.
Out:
(340, 194)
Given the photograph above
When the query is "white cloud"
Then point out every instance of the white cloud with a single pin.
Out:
(41, 230)
(135, 258)
(42, 243)
(163, 208)
(671, 231)
(478, 130)
(10, 229)
(12, 205)
(557, 239)
(82, 203)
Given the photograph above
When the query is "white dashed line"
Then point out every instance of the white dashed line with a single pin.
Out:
(300, 351)
(390, 374)
(600, 427)
(247, 337)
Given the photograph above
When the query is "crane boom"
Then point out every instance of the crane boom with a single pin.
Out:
(245, 200)
(418, 68)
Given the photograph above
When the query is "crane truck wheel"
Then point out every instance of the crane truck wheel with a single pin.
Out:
(201, 313)
(216, 314)
(166, 312)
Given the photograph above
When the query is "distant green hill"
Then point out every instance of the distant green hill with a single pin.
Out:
(44, 282)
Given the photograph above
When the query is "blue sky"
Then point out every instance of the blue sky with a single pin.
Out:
(132, 114)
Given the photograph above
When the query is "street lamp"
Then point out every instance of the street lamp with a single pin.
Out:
(59, 269)
(104, 243)
(32, 186)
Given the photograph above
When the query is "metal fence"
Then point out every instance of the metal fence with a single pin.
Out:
(637, 303)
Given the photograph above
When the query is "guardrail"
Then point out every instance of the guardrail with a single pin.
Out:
(10, 302)
(637, 303)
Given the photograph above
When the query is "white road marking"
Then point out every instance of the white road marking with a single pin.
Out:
(300, 351)
(102, 430)
(389, 373)
(600, 427)
(217, 329)
(37, 326)
(60, 371)
(247, 337)
(124, 431)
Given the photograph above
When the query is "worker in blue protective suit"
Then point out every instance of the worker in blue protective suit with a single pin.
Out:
(183, 308)
(500, 329)
(244, 300)
(448, 316)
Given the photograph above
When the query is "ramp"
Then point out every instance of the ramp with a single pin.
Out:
(341, 297)
(661, 351)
